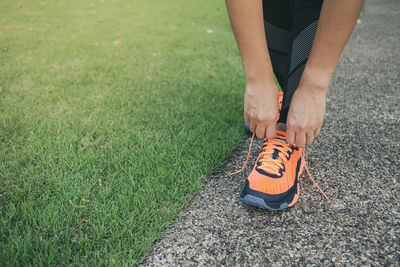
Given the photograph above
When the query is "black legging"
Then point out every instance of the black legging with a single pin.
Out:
(290, 27)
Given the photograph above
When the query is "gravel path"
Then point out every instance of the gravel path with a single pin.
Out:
(355, 160)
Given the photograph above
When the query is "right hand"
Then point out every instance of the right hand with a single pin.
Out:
(261, 108)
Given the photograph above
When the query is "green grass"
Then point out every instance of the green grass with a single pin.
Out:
(113, 112)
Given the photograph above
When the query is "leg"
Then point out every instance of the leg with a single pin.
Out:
(290, 27)
(305, 22)
(278, 21)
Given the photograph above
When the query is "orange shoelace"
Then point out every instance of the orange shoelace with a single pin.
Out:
(270, 165)
(273, 166)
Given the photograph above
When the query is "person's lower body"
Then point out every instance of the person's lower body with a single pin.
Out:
(290, 27)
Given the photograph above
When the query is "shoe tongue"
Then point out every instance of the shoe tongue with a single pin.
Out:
(275, 154)
(280, 137)
(280, 140)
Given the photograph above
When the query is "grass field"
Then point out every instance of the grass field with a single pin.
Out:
(112, 114)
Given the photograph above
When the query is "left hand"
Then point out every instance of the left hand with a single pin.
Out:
(306, 114)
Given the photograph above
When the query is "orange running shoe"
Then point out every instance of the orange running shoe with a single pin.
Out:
(273, 183)
(280, 100)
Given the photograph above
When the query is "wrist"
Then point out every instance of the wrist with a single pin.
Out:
(260, 79)
(261, 84)
(317, 79)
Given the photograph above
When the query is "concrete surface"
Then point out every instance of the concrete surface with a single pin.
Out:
(356, 160)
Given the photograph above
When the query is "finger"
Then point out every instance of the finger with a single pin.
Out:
(271, 130)
(290, 136)
(316, 132)
(252, 126)
(260, 131)
(309, 138)
(300, 139)
(247, 121)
